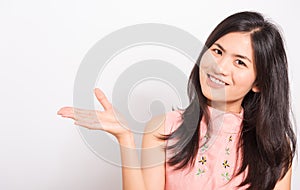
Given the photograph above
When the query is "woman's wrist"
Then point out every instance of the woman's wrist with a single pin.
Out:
(127, 140)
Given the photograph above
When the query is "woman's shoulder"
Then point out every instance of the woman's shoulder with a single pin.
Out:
(164, 124)
(173, 119)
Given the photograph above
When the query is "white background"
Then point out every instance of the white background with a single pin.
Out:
(42, 44)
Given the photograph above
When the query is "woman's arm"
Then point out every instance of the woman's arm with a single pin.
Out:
(285, 182)
(110, 121)
(151, 175)
(132, 177)
(153, 154)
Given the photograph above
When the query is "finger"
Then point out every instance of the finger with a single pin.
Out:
(68, 110)
(65, 110)
(69, 116)
(102, 99)
(84, 112)
(80, 114)
(87, 124)
(91, 117)
(75, 113)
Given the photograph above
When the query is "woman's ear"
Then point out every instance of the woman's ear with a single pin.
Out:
(255, 89)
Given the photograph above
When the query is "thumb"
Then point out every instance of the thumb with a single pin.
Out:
(102, 99)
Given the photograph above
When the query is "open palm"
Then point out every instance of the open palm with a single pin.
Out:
(108, 120)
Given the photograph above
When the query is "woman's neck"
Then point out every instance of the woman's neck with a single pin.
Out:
(226, 107)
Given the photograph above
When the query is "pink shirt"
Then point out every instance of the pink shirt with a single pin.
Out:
(216, 160)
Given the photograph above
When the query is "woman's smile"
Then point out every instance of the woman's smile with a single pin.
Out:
(215, 82)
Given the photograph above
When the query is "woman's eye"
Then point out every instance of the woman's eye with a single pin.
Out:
(217, 51)
(239, 62)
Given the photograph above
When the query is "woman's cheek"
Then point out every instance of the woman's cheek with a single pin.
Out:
(207, 64)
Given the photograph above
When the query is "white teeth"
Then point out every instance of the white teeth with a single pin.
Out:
(216, 80)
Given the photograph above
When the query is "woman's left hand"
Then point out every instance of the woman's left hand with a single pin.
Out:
(108, 120)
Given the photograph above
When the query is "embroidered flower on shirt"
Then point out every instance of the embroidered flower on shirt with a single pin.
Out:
(230, 138)
(200, 171)
(204, 148)
(227, 151)
(206, 136)
(226, 164)
(203, 160)
(226, 176)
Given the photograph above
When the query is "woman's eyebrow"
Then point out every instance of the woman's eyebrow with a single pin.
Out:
(243, 57)
(220, 46)
(236, 55)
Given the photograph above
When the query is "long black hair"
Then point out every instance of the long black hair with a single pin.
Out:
(267, 139)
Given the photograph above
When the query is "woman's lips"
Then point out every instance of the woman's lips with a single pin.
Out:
(215, 82)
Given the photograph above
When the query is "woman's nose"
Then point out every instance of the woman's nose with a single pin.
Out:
(223, 65)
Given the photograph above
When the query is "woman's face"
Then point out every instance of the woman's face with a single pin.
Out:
(227, 71)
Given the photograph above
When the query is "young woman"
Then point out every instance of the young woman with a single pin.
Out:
(235, 134)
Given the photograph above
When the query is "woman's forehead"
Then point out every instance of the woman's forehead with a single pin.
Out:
(236, 43)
